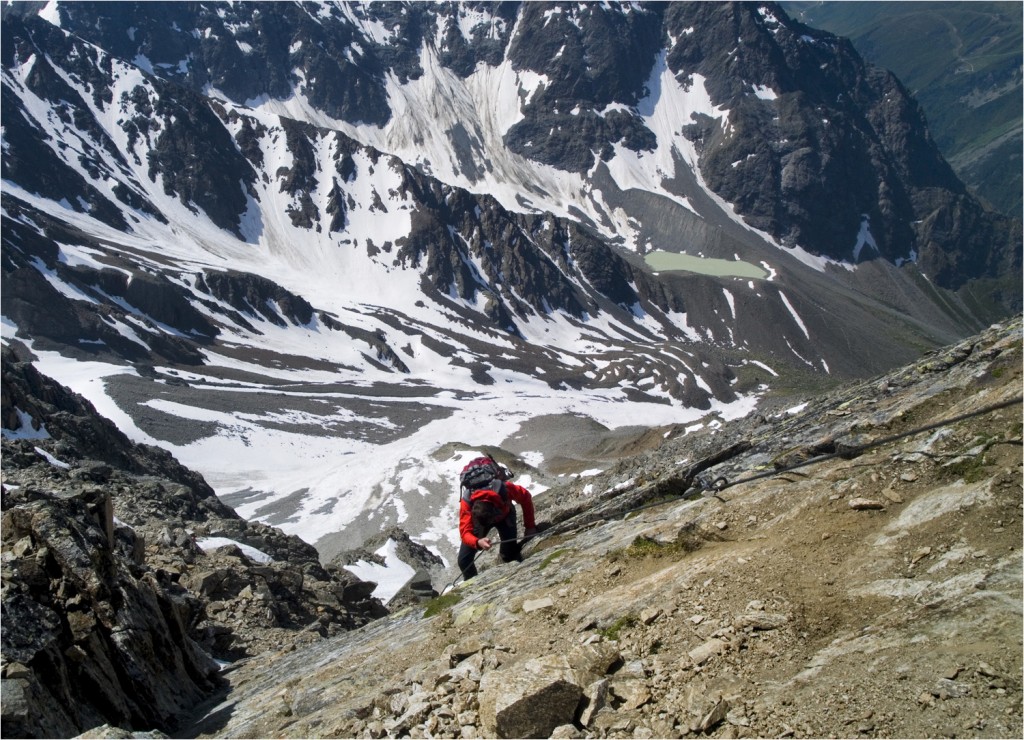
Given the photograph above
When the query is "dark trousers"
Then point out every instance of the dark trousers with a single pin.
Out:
(509, 549)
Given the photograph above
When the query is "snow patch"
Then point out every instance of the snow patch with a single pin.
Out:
(763, 367)
(389, 577)
(731, 301)
(794, 314)
(50, 13)
(208, 544)
(25, 429)
(864, 238)
(51, 459)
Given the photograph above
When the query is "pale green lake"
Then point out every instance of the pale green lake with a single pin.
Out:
(668, 261)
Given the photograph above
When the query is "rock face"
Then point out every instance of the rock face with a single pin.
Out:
(767, 608)
(125, 579)
(91, 636)
(253, 295)
(965, 111)
(426, 564)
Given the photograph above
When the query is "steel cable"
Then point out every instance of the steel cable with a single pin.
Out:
(719, 484)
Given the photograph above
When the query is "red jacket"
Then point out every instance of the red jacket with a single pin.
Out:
(515, 493)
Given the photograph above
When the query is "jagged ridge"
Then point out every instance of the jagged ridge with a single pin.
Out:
(123, 574)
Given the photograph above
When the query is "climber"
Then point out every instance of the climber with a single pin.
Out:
(487, 502)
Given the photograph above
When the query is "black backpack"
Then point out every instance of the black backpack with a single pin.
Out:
(483, 472)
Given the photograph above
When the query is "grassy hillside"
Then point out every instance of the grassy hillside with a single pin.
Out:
(962, 61)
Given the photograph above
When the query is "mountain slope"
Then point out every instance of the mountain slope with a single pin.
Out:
(963, 63)
(861, 567)
(579, 112)
(409, 226)
(871, 594)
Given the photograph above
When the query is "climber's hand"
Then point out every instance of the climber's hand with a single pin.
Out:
(483, 544)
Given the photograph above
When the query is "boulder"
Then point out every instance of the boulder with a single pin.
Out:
(594, 660)
(707, 650)
(631, 693)
(533, 605)
(531, 699)
(595, 697)
(466, 649)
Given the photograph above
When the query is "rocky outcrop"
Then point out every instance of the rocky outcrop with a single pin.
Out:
(125, 579)
(256, 297)
(90, 635)
(188, 136)
(530, 701)
(37, 405)
(964, 107)
(154, 295)
(595, 58)
(383, 354)
(91, 325)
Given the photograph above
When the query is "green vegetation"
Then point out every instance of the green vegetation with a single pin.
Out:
(970, 469)
(556, 554)
(645, 547)
(622, 623)
(670, 261)
(439, 603)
